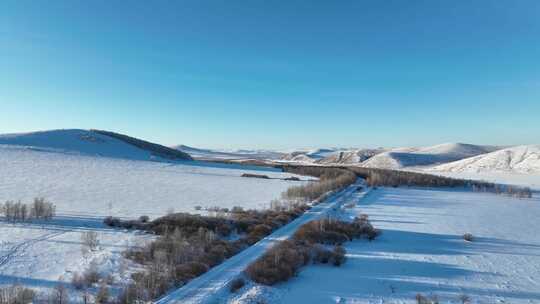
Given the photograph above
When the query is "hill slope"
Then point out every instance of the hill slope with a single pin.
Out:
(520, 159)
(439, 154)
(350, 157)
(229, 155)
(92, 142)
(310, 156)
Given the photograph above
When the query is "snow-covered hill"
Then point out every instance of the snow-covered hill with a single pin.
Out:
(91, 142)
(229, 155)
(520, 159)
(439, 154)
(311, 156)
(350, 157)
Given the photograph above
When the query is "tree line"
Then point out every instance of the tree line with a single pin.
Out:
(18, 211)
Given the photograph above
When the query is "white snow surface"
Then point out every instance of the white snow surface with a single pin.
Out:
(85, 188)
(421, 250)
(408, 157)
(99, 186)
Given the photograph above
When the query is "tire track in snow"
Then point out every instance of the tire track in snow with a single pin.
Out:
(20, 248)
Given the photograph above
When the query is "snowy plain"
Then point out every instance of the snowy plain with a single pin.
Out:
(421, 250)
(86, 188)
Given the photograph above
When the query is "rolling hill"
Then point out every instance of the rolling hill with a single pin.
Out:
(93, 142)
(424, 156)
(211, 154)
(350, 157)
(520, 159)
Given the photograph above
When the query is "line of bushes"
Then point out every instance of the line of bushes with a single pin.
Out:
(255, 175)
(309, 245)
(189, 245)
(395, 178)
(18, 211)
(330, 179)
(17, 294)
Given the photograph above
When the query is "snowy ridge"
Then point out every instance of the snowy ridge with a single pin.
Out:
(77, 141)
(521, 159)
(439, 154)
(310, 156)
(350, 157)
(229, 155)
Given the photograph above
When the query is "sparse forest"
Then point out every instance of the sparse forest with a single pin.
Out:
(18, 211)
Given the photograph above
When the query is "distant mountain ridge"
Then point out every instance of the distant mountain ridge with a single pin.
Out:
(229, 155)
(410, 157)
(448, 157)
(520, 159)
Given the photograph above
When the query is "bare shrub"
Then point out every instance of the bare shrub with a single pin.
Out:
(16, 294)
(103, 294)
(278, 264)
(255, 175)
(334, 232)
(468, 237)
(17, 211)
(283, 260)
(91, 275)
(90, 240)
(42, 209)
(339, 255)
(237, 209)
(59, 295)
(190, 244)
(78, 281)
(329, 180)
(464, 299)
(237, 284)
(421, 299)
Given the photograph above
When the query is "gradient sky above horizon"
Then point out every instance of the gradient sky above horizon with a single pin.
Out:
(275, 74)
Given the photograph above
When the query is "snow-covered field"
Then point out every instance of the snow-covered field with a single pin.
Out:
(82, 185)
(421, 250)
(86, 188)
(531, 180)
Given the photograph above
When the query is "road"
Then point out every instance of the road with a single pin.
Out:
(211, 286)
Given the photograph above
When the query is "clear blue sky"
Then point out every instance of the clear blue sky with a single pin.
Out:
(275, 74)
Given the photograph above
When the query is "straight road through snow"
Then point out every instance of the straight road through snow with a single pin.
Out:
(209, 287)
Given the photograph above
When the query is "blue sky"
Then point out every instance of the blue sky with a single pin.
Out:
(275, 74)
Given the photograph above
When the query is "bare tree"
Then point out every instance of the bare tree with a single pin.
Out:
(59, 295)
(90, 241)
